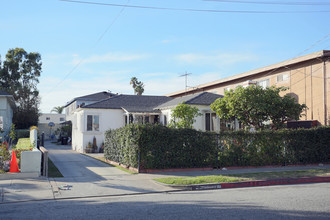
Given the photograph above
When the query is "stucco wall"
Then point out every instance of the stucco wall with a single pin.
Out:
(45, 119)
(108, 119)
(6, 112)
(199, 124)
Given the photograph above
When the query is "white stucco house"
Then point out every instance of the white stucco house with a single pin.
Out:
(49, 122)
(71, 114)
(7, 105)
(113, 111)
(207, 121)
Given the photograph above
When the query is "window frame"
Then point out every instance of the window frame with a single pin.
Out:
(284, 77)
(210, 124)
(262, 81)
(93, 123)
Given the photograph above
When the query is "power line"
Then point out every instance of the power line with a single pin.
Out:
(193, 10)
(196, 89)
(312, 3)
(82, 60)
(299, 54)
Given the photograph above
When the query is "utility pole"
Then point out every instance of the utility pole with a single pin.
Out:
(186, 79)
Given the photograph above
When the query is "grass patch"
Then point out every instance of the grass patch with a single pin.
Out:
(284, 174)
(2, 171)
(200, 180)
(52, 170)
(23, 143)
(243, 177)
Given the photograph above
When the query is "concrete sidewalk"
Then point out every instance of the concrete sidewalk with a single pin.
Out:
(86, 177)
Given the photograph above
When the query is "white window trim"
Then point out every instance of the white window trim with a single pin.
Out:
(85, 121)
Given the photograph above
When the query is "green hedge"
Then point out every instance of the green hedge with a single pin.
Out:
(22, 133)
(159, 147)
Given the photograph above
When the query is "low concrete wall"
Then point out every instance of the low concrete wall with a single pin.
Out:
(31, 161)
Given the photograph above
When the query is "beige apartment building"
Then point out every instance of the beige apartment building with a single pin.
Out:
(307, 78)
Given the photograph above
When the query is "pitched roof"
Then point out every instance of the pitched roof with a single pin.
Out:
(203, 98)
(131, 103)
(93, 97)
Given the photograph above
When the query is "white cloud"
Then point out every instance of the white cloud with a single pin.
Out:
(168, 41)
(216, 59)
(109, 57)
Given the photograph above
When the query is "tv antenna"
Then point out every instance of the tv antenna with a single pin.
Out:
(186, 79)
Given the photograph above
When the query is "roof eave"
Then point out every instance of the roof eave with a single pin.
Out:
(319, 54)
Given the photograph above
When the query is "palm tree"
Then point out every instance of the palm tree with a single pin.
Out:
(138, 86)
(133, 82)
(58, 109)
(139, 89)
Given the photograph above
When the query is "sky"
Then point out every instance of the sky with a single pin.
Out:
(93, 46)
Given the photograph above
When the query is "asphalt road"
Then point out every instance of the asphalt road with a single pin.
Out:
(304, 201)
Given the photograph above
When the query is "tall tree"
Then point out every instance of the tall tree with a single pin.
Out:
(254, 105)
(58, 109)
(137, 85)
(19, 74)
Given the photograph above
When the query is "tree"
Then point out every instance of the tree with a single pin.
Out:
(19, 77)
(254, 105)
(138, 86)
(58, 109)
(184, 116)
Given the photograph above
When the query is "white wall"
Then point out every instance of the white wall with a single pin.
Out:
(108, 119)
(45, 118)
(168, 114)
(6, 114)
(199, 124)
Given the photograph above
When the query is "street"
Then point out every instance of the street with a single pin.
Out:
(304, 201)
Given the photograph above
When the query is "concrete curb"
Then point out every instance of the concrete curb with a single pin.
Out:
(286, 181)
(9, 176)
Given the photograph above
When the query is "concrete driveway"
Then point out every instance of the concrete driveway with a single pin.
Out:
(86, 176)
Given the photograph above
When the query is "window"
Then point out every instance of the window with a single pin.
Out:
(282, 77)
(62, 119)
(263, 83)
(210, 121)
(165, 120)
(47, 118)
(93, 123)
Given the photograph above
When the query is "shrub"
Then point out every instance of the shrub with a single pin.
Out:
(4, 155)
(158, 147)
(22, 133)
